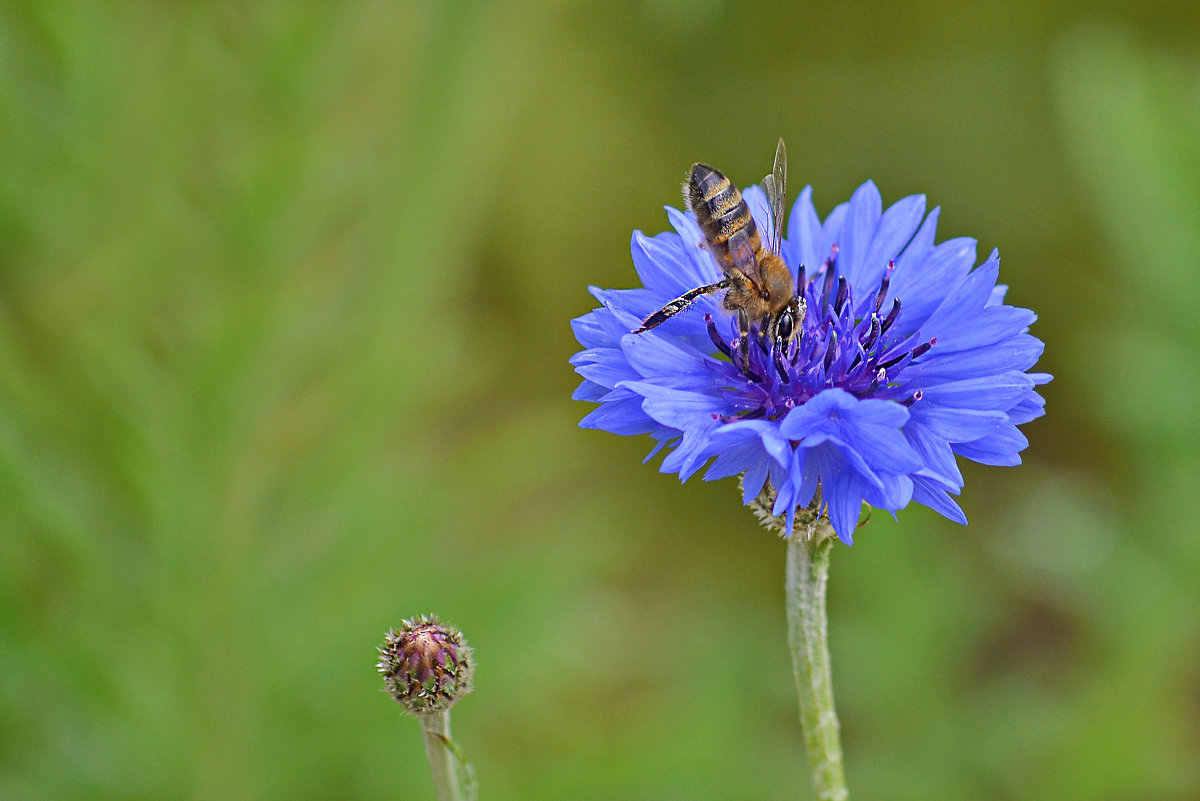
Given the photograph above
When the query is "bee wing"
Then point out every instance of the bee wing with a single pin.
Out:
(742, 254)
(775, 186)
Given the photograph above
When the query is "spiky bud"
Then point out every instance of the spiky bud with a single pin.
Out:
(426, 665)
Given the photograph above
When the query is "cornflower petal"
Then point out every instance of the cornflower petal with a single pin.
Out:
(897, 226)
(858, 234)
(804, 234)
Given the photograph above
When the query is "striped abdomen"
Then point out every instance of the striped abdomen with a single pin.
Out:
(721, 212)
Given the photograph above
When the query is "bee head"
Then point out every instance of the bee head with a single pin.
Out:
(787, 323)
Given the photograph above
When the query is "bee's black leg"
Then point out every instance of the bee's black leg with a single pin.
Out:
(679, 304)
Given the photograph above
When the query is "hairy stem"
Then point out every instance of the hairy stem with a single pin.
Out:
(439, 749)
(808, 551)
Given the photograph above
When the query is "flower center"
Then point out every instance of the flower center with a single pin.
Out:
(838, 344)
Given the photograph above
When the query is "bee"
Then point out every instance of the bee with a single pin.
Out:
(759, 286)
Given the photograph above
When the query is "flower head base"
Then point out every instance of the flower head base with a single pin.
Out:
(905, 357)
(426, 666)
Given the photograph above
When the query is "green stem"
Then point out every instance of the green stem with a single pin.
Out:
(439, 749)
(808, 552)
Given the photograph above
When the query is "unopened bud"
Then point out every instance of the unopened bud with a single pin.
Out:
(426, 665)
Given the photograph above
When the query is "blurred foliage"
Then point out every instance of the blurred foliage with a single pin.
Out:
(284, 292)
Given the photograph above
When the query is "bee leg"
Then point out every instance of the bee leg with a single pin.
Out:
(679, 304)
(764, 331)
(743, 324)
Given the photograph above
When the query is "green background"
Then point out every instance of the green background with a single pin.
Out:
(284, 304)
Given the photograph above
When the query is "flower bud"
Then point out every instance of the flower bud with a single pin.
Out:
(426, 665)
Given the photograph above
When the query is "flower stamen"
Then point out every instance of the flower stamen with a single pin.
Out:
(891, 318)
(841, 295)
(715, 336)
(884, 284)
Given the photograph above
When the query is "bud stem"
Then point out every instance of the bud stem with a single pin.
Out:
(808, 551)
(438, 747)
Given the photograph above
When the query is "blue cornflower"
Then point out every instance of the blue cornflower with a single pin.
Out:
(905, 358)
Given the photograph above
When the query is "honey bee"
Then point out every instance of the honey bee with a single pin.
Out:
(759, 285)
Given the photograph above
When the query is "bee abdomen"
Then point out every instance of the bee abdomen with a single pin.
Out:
(719, 210)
